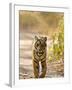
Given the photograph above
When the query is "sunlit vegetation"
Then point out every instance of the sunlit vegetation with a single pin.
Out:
(56, 51)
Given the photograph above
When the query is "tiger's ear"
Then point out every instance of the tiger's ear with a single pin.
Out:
(36, 38)
(45, 38)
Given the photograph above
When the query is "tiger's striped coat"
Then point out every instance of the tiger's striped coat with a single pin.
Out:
(39, 55)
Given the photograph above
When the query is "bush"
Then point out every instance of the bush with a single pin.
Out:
(56, 51)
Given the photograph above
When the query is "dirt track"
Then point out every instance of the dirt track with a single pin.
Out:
(54, 69)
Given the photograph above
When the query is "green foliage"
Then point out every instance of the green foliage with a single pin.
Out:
(58, 44)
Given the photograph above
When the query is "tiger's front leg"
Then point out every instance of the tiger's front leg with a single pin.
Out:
(36, 68)
(44, 68)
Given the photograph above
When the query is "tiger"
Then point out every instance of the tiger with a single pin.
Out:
(39, 56)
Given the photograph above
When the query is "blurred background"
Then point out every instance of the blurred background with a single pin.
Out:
(49, 24)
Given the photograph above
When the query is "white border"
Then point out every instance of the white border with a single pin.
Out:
(15, 46)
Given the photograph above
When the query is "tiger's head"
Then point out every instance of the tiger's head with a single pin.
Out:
(40, 45)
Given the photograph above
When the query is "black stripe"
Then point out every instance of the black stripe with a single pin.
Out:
(36, 58)
(42, 61)
(35, 61)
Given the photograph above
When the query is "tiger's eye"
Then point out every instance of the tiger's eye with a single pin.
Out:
(37, 45)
